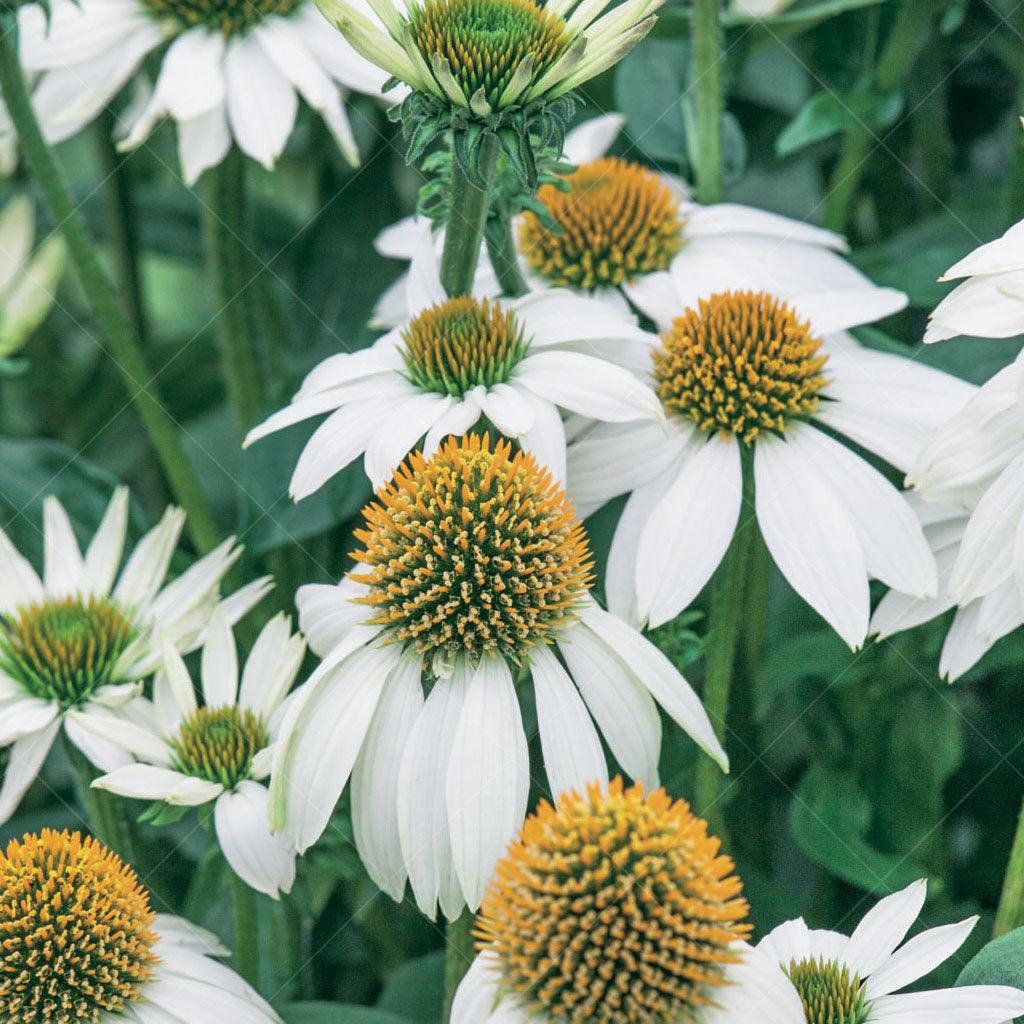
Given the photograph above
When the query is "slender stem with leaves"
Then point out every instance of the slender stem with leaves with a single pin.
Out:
(245, 915)
(118, 332)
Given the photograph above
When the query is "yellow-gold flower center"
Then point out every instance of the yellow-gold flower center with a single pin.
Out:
(617, 221)
(76, 931)
(742, 363)
(615, 907)
(478, 551)
(829, 993)
(228, 17)
(64, 649)
(486, 41)
(458, 344)
(218, 744)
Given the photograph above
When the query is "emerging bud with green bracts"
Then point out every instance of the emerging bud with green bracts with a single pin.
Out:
(500, 67)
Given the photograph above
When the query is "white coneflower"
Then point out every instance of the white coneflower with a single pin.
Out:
(190, 755)
(799, 975)
(474, 571)
(234, 71)
(990, 303)
(752, 374)
(81, 945)
(517, 363)
(615, 905)
(76, 644)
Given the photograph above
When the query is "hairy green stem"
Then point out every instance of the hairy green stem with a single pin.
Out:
(118, 332)
(459, 955)
(706, 29)
(121, 213)
(727, 621)
(245, 917)
(502, 252)
(467, 215)
(227, 239)
(908, 34)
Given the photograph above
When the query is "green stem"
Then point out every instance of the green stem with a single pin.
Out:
(909, 33)
(245, 915)
(459, 955)
(106, 822)
(1010, 913)
(706, 31)
(118, 332)
(467, 215)
(121, 214)
(727, 618)
(227, 235)
(502, 252)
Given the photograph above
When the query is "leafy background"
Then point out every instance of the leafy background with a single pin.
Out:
(855, 772)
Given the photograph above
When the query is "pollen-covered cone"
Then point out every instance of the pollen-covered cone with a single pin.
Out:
(80, 944)
(615, 906)
(473, 573)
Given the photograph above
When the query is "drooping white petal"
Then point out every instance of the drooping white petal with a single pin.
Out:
(965, 644)
(506, 408)
(150, 782)
(421, 804)
(623, 709)
(455, 422)
(328, 612)
(243, 831)
(191, 78)
(24, 715)
(375, 778)
(883, 928)
(395, 437)
(688, 532)
(545, 440)
(918, 957)
(203, 142)
(811, 538)
(179, 932)
(219, 663)
(572, 751)
(24, 762)
(488, 777)
(477, 992)
(134, 738)
(730, 219)
(103, 754)
(969, 1004)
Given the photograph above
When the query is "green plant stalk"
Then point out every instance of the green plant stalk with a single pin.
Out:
(459, 955)
(118, 332)
(706, 32)
(1010, 913)
(105, 820)
(124, 240)
(502, 252)
(227, 240)
(245, 917)
(728, 620)
(467, 215)
(909, 33)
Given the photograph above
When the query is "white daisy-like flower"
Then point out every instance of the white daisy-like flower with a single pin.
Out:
(615, 905)
(27, 280)
(799, 975)
(624, 231)
(234, 71)
(189, 755)
(75, 644)
(473, 574)
(456, 360)
(990, 303)
(977, 624)
(752, 376)
(81, 943)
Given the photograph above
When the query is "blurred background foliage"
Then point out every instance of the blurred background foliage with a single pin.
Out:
(854, 772)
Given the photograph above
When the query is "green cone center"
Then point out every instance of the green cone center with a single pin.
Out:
(830, 994)
(225, 16)
(218, 744)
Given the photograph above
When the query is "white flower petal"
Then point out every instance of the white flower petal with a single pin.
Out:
(477, 993)
(24, 763)
(271, 667)
(918, 957)
(149, 782)
(19, 583)
(591, 139)
(203, 142)
(883, 928)
(147, 565)
(104, 553)
(25, 715)
(63, 559)
(102, 754)
(327, 613)
(134, 738)
(545, 440)
(243, 831)
(219, 663)
(506, 408)
(191, 79)
(455, 422)
(970, 1004)
(396, 435)
(177, 931)
(732, 219)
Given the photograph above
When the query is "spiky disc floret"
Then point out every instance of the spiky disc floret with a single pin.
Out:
(218, 744)
(617, 221)
(76, 931)
(64, 649)
(742, 363)
(452, 347)
(225, 16)
(477, 550)
(485, 42)
(830, 994)
(613, 907)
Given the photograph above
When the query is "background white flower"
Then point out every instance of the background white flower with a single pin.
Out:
(233, 72)
(190, 755)
(75, 644)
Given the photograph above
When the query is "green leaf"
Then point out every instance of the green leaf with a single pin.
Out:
(416, 989)
(337, 1013)
(1001, 962)
(830, 819)
(825, 114)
